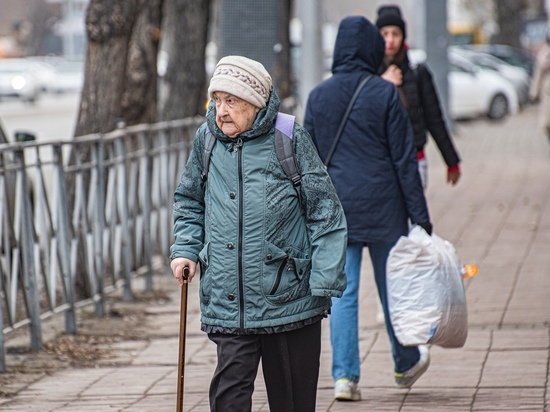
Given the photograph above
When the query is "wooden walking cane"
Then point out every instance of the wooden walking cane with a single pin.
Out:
(183, 326)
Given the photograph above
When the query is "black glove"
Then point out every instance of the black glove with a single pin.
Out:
(427, 226)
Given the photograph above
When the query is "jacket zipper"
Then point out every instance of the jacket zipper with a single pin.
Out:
(238, 148)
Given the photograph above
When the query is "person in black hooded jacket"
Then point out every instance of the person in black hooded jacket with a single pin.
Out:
(417, 92)
(374, 169)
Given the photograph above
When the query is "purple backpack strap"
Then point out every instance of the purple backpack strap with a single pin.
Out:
(284, 127)
(285, 123)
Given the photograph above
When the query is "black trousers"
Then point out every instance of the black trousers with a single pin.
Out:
(290, 364)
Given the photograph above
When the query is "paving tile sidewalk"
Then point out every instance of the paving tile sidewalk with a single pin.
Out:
(498, 217)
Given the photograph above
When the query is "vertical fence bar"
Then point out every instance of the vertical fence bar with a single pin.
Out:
(64, 250)
(2, 348)
(2, 290)
(122, 201)
(2, 342)
(147, 208)
(27, 243)
(166, 191)
(99, 225)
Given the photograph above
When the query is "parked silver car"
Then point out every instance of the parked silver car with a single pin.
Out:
(69, 77)
(475, 91)
(17, 80)
(518, 76)
(511, 55)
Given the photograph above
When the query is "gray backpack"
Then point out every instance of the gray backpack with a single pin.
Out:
(284, 126)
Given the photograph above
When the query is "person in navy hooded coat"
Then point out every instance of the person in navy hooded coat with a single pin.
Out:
(374, 169)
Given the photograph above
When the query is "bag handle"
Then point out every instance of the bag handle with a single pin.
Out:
(345, 119)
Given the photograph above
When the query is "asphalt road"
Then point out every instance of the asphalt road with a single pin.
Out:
(52, 117)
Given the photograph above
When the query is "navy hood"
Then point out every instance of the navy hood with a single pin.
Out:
(359, 46)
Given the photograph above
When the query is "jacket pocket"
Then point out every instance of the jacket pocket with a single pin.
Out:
(285, 274)
(205, 282)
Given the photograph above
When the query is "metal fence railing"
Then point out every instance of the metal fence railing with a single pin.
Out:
(78, 217)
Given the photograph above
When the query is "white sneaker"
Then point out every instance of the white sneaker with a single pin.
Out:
(346, 390)
(408, 378)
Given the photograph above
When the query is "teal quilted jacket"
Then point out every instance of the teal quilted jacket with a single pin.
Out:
(264, 264)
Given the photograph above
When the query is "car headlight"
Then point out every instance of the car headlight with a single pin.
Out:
(18, 82)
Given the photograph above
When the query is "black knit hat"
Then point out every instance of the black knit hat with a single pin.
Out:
(391, 16)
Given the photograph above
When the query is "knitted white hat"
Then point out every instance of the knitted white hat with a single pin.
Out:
(242, 77)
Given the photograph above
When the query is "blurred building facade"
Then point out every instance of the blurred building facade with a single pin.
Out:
(58, 26)
(71, 26)
(42, 27)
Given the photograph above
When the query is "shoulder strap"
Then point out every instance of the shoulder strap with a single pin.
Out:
(209, 141)
(345, 119)
(284, 127)
(285, 123)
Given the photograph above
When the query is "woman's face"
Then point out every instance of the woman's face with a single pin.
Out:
(393, 36)
(233, 115)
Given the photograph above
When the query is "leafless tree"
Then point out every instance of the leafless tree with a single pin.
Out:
(282, 74)
(184, 38)
(121, 61)
(120, 77)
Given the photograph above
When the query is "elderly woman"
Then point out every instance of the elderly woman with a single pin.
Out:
(269, 264)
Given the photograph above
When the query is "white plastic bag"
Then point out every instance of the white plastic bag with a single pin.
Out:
(426, 298)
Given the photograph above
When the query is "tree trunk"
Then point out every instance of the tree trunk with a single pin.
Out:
(109, 26)
(121, 70)
(282, 73)
(139, 100)
(184, 37)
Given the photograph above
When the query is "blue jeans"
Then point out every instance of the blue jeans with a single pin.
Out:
(344, 318)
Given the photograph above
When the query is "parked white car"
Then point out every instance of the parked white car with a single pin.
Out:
(518, 76)
(69, 77)
(474, 91)
(17, 80)
(43, 68)
(57, 74)
(515, 56)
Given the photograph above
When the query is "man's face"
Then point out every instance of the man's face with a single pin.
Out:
(233, 115)
(393, 36)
